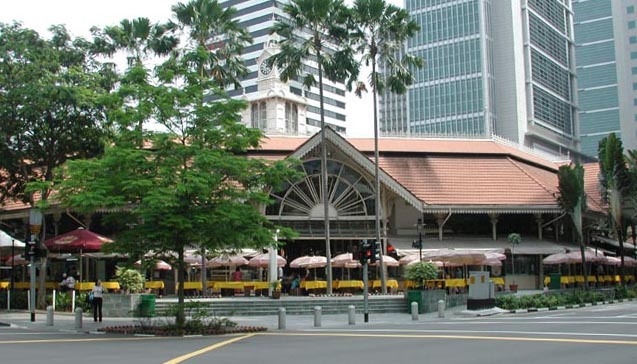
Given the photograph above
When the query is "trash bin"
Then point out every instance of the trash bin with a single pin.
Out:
(555, 281)
(147, 305)
(415, 296)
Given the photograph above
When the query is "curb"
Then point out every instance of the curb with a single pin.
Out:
(567, 307)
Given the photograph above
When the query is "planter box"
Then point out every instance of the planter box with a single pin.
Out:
(120, 305)
(427, 300)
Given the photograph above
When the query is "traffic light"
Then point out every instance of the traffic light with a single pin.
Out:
(374, 252)
(365, 251)
(391, 251)
(29, 249)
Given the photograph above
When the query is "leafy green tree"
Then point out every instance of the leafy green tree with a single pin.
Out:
(311, 29)
(193, 185)
(514, 239)
(379, 33)
(615, 184)
(572, 200)
(51, 110)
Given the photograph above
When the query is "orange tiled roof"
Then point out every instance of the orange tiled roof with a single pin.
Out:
(472, 180)
(452, 172)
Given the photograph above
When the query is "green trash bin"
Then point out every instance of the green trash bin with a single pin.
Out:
(147, 305)
(415, 296)
(555, 281)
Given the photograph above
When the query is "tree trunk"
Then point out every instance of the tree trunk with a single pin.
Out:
(41, 304)
(180, 318)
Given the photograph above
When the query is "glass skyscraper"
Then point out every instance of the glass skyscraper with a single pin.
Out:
(606, 50)
(492, 68)
(258, 17)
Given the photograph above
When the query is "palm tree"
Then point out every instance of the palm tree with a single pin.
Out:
(141, 40)
(572, 200)
(380, 31)
(615, 185)
(216, 39)
(311, 29)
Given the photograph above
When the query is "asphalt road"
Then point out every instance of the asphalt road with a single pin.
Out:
(599, 334)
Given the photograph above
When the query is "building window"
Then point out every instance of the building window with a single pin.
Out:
(634, 70)
(291, 118)
(633, 55)
(259, 115)
(633, 40)
(635, 102)
(630, 9)
(631, 24)
(634, 85)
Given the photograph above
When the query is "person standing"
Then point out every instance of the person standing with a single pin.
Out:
(98, 294)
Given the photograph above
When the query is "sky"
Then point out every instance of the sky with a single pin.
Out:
(80, 15)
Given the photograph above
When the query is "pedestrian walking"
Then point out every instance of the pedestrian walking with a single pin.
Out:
(98, 293)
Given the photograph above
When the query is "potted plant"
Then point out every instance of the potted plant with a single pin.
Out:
(276, 289)
(514, 239)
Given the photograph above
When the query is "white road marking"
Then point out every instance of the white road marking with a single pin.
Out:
(537, 333)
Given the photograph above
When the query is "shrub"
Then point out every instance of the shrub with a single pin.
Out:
(130, 280)
(420, 272)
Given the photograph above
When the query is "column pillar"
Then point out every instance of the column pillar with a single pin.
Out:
(494, 222)
(538, 220)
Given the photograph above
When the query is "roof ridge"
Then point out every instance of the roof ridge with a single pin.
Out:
(517, 165)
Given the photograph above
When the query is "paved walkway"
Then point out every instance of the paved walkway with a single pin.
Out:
(66, 321)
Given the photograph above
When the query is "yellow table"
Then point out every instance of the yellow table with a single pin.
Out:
(111, 286)
(191, 285)
(259, 285)
(314, 284)
(226, 285)
(592, 279)
(391, 283)
(499, 281)
(27, 285)
(435, 283)
(4, 285)
(84, 286)
(154, 285)
(349, 284)
(410, 284)
(456, 282)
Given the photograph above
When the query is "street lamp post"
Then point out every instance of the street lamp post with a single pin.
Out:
(418, 243)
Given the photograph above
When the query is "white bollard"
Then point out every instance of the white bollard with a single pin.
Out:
(351, 314)
(49, 315)
(72, 300)
(29, 300)
(281, 318)
(8, 300)
(53, 297)
(414, 311)
(441, 309)
(78, 318)
(317, 316)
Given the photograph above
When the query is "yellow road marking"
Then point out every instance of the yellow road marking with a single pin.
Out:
(462, 337)
(207, 349)
(80, 340)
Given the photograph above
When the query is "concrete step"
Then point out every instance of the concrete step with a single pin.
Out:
(296, 306)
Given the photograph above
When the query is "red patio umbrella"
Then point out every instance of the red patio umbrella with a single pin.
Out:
(17, 260)
(79, 240)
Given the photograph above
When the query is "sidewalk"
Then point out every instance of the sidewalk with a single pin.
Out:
(66, 321)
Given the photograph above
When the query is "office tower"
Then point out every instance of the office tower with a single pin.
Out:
(606, 57)
(258, 16)
(492, 68)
